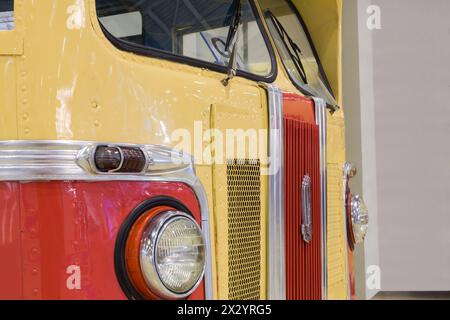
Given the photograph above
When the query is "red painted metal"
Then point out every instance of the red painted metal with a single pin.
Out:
(351, 266)
(132, 251)
(10, 257)
(298, 107)
(65, 224)
(302, 157)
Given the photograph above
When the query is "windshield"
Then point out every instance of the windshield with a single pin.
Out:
(194, 29)
(295, 49)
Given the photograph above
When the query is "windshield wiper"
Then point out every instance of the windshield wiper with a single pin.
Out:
(296, 52)
(233, 18)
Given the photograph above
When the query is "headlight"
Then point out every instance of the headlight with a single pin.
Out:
(172, 255)
(359, 217)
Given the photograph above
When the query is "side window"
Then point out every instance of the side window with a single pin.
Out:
(296, 50)
(6, 15)
(194, 29)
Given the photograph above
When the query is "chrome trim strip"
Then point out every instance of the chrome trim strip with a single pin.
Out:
(348, 173)
(276, 243)
(72, 160)
(321, 121)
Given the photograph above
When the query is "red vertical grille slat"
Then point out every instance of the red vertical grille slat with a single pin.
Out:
(302, 157)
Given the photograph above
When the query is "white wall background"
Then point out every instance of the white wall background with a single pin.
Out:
(403, 146)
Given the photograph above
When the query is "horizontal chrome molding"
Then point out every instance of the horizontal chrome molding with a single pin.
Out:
(27, 161)
(276, 241)
(73, 160)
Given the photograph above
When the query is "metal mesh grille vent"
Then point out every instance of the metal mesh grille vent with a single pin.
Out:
(244, 229)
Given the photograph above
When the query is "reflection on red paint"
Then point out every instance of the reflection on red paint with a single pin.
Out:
(48, 227)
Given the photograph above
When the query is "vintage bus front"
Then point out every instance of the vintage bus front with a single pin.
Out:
(185, 149)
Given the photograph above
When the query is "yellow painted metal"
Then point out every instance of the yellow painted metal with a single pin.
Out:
(11, 46)
(11, 43)
(337, 269)
(8, 122)
(239, 115)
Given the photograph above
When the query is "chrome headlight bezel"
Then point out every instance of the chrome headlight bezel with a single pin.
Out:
(147, 255)
(359, 218)
(357, 214)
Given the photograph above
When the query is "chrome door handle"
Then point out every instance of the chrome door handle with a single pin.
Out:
(306, 209)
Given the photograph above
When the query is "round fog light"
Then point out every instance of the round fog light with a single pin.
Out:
(172, 255)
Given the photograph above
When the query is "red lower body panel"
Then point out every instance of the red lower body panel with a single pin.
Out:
(302, 157)
(10, 249)
(57, 231)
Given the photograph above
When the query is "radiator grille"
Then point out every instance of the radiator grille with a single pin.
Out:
(244, 229)
(303, 260)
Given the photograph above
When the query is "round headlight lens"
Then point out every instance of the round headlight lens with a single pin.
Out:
(180, 256)
(172, 255)
(360, 218)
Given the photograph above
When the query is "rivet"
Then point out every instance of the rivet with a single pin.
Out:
(27, 131)
(35, 291)
(25, 116)
(96, 123)
(34, 251)
(95, 105)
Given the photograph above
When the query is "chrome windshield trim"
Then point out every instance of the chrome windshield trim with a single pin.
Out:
(276, 243)
(321, 121)
(26, 161)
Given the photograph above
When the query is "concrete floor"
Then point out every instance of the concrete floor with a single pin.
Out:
(412, 296)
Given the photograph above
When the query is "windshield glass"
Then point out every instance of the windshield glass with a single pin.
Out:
(195, 29)
(295, 49)
(6, 15)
